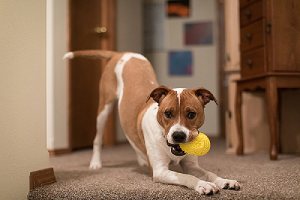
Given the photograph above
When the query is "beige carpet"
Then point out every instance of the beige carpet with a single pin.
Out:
(122, 178)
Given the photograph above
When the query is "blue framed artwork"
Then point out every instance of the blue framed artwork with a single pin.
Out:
(180, 63)
(199, 33)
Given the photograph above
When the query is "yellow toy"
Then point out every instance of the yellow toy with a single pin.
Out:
(198, 147)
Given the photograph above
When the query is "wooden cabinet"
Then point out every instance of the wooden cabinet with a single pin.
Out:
(270, 36)
(270, 57)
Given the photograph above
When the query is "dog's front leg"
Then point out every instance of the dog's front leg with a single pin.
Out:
(171, 177)
(162, 174)
(191, 166)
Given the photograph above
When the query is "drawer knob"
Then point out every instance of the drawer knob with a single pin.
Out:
(249, 63)
(249, 36)
(248, 14)
(268, 27)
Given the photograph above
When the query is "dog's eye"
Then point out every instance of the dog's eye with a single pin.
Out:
(191, 115)
(168, 114)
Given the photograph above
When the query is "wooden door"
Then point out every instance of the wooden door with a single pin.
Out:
(91, 26)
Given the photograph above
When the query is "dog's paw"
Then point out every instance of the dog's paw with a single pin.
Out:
(227, 184)
(95, 164)
(206, 188)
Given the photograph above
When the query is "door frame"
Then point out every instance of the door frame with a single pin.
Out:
(221, 63)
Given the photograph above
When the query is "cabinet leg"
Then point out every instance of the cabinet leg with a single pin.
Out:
(272, 108)
(238, 118)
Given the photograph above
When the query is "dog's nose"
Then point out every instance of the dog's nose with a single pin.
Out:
(179, 136)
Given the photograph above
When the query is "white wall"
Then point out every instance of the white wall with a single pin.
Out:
(205, 58)
(129, 18)
(129, 25)
(23, 94)
(57, 89)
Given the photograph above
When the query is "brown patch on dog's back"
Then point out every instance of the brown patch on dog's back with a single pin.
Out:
(136, 73)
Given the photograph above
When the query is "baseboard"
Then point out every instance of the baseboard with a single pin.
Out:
(57, 152)
(41, 177)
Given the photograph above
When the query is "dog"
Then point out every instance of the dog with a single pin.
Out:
(154, 118)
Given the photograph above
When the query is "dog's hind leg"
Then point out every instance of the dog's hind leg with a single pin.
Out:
(107, 97)
(96, 162)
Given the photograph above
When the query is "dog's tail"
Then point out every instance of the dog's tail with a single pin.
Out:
(92, 54)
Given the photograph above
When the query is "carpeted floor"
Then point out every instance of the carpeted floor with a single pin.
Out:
(122, 178)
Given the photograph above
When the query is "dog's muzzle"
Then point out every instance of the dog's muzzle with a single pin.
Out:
(175, 149)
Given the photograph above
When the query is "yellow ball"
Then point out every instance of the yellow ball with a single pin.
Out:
(198, 147)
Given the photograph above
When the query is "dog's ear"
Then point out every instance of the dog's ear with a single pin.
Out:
(205, 95)
(158, 94)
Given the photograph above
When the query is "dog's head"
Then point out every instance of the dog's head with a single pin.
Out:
(181, 112)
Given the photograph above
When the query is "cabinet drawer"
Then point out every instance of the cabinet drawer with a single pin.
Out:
(253, 62)
(251, 13)
(244, 3)
(252, 36)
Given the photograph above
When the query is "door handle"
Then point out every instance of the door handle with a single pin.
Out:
(100, 30)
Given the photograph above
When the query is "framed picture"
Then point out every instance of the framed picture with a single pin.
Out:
(199, 33)
(180, 63)
(178, 8)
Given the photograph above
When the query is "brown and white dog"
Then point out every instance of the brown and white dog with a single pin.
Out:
(155, 119)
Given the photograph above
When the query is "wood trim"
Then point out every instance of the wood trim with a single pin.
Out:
(283, 74)
(57, 152)
(108, 20)
(41, 177)
(221, 72)
(69, 105)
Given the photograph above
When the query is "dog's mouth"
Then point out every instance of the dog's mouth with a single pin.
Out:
(175, 149)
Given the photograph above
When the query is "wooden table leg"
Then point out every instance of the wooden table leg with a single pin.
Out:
(238, 118)
(272, 108)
